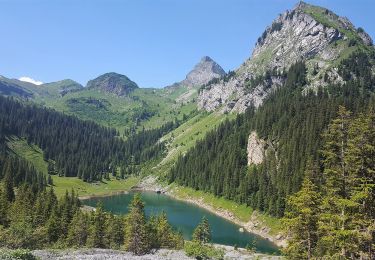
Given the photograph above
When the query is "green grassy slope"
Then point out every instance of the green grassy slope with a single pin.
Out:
(147, 108)
(34, 155)
(184, 137)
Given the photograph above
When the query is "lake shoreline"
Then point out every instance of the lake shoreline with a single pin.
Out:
(252, 226)
(93, 196)
(150, 184)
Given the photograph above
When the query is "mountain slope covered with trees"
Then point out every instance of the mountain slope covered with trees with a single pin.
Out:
(291, 121)
(78, 148)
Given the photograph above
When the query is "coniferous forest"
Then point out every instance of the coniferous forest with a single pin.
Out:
(333, 214)
(291, 121)
(37, 219)
(335, 171)
(79, 148)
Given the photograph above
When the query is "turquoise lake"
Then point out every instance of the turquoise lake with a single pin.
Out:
(185, 217)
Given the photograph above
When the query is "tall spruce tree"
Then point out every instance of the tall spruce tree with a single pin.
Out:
(97, 235)
(136, 235)
(361, 165)
(8, 191)
(53, 226)
(202, 233)
(301, 219)
(78, 230)
(338, 235)
(4, 205)
(115, 231)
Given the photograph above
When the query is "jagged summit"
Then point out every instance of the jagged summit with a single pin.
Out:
(204, 71)
(113, 83)
(307, 32)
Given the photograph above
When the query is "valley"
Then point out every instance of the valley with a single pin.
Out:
(281, 148)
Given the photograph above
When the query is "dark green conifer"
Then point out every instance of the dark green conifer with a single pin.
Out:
(136, 235)
(202, 233)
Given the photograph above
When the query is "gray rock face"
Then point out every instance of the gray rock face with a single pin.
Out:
(206, 70)
(365, 38)
(294, 35)
(161, 254)
(113, 83)
(255, 149)
(233, 96)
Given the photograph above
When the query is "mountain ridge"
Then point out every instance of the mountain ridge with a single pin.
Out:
(307, 32)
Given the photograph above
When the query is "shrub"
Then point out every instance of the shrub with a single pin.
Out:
(21, 254)
(203, 251)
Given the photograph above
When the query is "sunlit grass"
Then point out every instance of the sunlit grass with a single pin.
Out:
(34, 155)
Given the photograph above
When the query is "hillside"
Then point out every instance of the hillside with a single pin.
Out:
(12, 87)
(305, 67)
(112, 83)
(114, 100)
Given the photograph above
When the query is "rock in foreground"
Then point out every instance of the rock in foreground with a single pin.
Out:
(162, 254)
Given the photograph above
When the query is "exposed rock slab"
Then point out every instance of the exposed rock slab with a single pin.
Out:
(204, 71)
(162, 254)
(255, 149)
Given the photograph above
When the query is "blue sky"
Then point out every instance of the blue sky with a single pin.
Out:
(154, 42)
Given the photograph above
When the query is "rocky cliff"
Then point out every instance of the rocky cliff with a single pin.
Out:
(255, 149)
(203, 72)
(310, 33)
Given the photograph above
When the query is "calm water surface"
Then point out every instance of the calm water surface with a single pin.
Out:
(185, 217)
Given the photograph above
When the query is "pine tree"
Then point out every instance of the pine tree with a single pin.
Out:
(97, 236)
(136, 236)
(53, 227)
(164, 232)
(4, 206)
(361, 165)
(115, 231)
(345, 167)
(202, 233)
(301, 220)
(78, 230)
(8, 191)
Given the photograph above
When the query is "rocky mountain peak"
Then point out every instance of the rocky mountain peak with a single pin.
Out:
(206, 59)
(307, 32)
(113, 83)
(204, 71)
